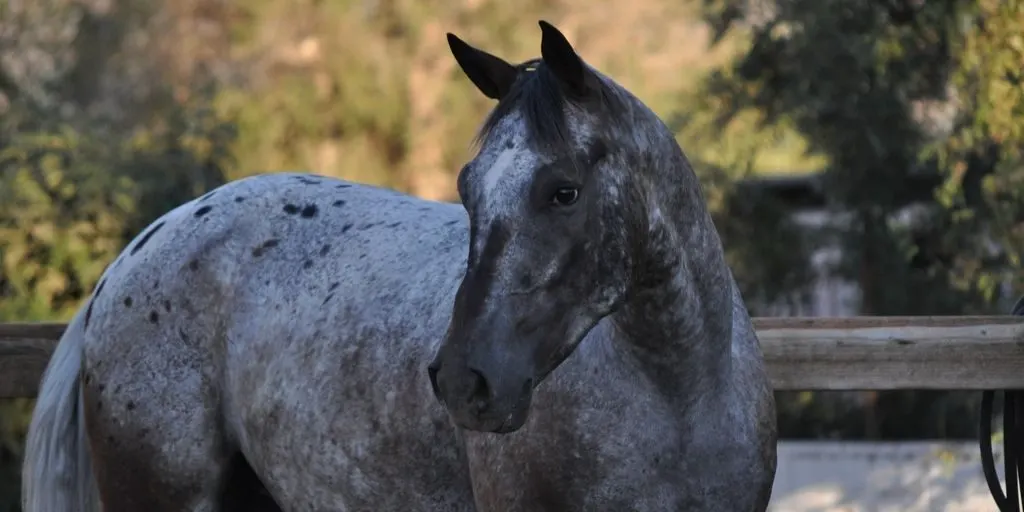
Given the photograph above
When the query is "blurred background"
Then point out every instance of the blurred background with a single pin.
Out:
(862, 157)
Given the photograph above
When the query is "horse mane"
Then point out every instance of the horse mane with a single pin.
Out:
(537, 95)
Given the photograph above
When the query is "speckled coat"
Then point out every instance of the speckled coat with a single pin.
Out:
(265, 346)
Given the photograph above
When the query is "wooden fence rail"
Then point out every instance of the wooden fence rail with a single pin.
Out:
(858, 353)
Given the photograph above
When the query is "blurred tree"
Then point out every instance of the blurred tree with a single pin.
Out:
(897, 95)
(982, 157)
(96, 141)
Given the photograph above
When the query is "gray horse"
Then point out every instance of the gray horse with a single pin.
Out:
(292, 342)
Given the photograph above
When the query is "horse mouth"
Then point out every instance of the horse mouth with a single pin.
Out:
(492, 417)
(516, 418)
(506, 427)
(513, 422)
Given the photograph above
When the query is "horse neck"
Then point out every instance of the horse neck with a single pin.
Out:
(677, 321)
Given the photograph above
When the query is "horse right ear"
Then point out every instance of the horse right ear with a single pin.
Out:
(492, 75)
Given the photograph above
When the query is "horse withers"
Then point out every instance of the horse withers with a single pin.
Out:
(570, 338)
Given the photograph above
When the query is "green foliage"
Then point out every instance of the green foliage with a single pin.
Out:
(70, 199)
(767, 250)
(82, 172)
(982, 158)
(56, 228)
(14, 418)
(906, 102)
(360, 92)
(878, 90)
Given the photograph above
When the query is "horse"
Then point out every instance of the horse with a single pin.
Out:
(570, 337)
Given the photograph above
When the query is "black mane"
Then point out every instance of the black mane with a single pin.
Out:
(537, 95)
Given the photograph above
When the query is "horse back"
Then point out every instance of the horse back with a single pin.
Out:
(302, 310)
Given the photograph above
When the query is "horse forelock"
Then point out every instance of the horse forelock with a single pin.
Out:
(542, 101)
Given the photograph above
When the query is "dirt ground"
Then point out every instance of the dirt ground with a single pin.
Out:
(881, 477)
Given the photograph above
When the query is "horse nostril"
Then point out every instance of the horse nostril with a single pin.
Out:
(432, 374)
(481, 394)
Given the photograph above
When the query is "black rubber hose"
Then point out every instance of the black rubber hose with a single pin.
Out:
(1013, 442)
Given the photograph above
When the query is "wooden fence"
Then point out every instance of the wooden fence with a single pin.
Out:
(983, 353)
(858, 353)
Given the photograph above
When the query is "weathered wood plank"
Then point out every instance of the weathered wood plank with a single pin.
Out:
(24, 351)
(880, 353)
(885, 353)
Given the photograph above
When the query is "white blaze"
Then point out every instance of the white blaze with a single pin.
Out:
(501, 169)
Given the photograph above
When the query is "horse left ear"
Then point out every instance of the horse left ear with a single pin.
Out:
(492, 75)
(562, 60)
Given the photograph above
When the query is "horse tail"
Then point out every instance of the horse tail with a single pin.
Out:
(57, 473)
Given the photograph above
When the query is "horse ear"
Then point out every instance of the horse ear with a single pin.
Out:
(561, 59)
(492, 75)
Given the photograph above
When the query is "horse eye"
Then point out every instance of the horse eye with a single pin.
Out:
(565, 196)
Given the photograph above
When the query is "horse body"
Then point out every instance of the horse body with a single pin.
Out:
(328, 393)
(290, 327)
(278, 344)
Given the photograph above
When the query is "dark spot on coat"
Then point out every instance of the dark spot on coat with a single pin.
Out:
(99, 288)
(127, 302)
(525, 282)
(239, 199)
(343, 185)
(88, 315)
(451, 223)
(369, 225)
(307, 264)
(269, 244)
(327, 299)
(334, 286)
(184, 337)
(167, 305)
(346, 227)
(193, 265)
(153, 317)
(207, 195)
(145, 237)
(291, 209)
(202, 211)
(309, 211)
(130, 405)
(325, 249)
(339, 202)
(307, 181)
(394, 225)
